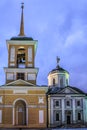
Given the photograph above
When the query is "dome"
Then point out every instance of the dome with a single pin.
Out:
(58, 77)
(58, 69)
(22, 38)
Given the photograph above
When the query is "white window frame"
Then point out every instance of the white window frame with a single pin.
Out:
(41, 116)
(0, 116)
(12, 54)
(30, 54)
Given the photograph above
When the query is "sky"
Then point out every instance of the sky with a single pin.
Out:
(60, 26)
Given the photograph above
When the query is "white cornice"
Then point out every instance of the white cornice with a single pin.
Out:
(23, 42)
(28, 70)
(23, 87)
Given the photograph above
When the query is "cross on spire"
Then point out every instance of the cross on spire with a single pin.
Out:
(22, 22)
(22, 5)
(58, 60)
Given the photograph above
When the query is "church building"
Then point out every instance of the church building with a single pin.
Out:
(22, 101)
(66, 104)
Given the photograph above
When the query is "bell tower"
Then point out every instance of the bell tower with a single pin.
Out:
(21, 56)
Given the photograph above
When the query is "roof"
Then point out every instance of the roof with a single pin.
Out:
(22, 38)
(58, 69)
(57, 90)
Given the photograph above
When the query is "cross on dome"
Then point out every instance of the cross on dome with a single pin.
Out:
(58, 60)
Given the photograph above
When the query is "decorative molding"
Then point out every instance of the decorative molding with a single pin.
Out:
(0, 116)
(31, 77)
(5, 106)
(12, 54)
(30, 54)
(41, 100)
(20, 91)
(10, 76)
(30, 65)
(41, 116)
(26, 70)
(12, 64)
(0, 99)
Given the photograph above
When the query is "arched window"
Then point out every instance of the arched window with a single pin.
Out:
(21, 57)
(54, 82)
(20, 113)
(61, 82)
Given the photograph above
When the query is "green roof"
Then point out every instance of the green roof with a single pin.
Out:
(22, 38)
(59, 69)
(57, 90)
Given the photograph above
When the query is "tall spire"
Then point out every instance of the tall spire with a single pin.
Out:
(22, 22)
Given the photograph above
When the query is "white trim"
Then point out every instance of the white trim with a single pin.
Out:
(1, 99)
(30, 54)
(18, 100)
(25, 88)
(20, 91)
(6, 106)
(51, 110)
(13, 116)
(63, 113)
(25, 94)
(12, 54)
(41, 116)
(31, 70)
(0, 116)
(74, 118)
(27, 115)
(19, 81)
(22, 42)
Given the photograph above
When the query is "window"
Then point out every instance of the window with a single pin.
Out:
(61, 82)
(30, 54)
(79, 116)
(21, 58)
(78, 103)
(12, 54)
(68, 103)
(0, 99)
(20, 76)
(54, 82)
(41, 116)
(57, 116)
(0, 116)
(10, 76)
(66, 81)
(57, 103)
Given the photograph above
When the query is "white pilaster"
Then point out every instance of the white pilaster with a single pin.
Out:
(27, 115)
(25, 76)
(14, 76)
(51, 111)
(85, 110)
(63, 111)
(13, 116)
(73, 106)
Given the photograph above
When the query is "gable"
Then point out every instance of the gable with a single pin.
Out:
(19, 82)
(69, 90)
